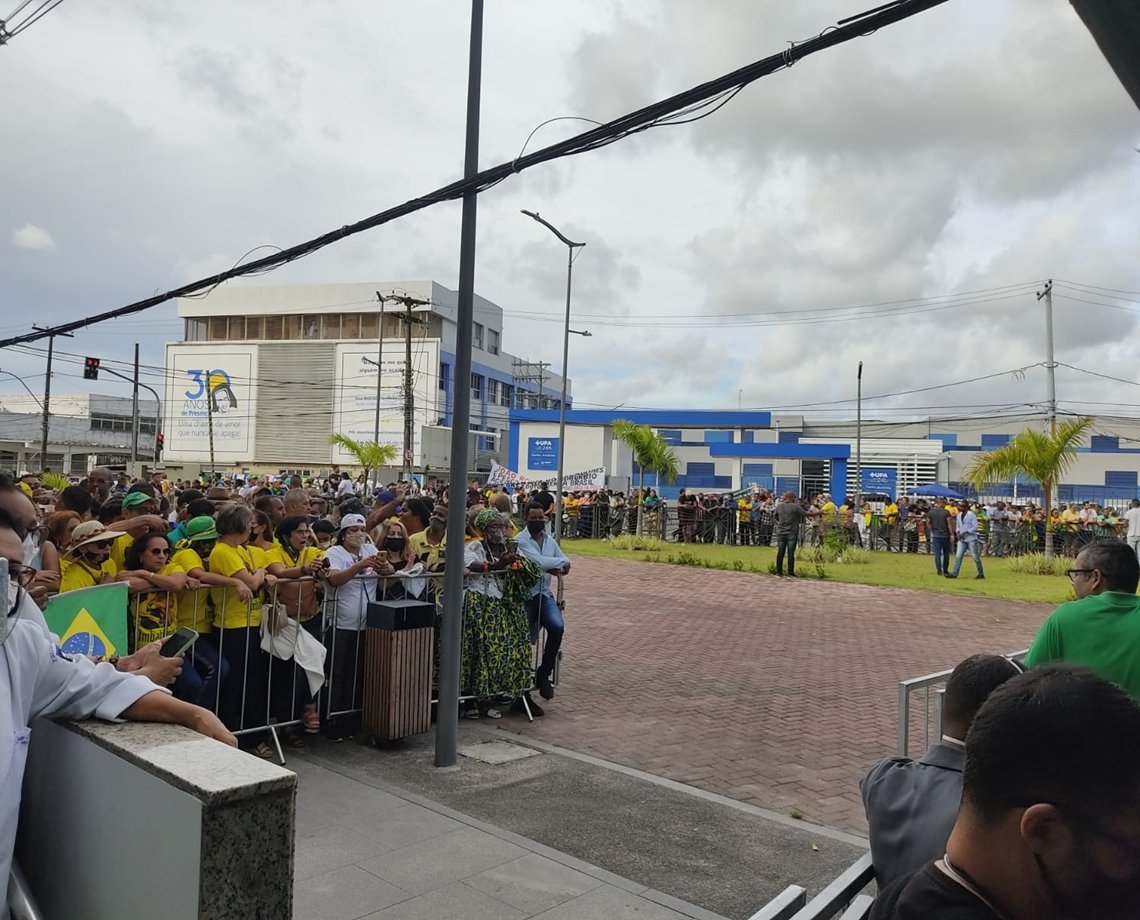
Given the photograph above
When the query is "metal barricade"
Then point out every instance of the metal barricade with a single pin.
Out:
(931, 686)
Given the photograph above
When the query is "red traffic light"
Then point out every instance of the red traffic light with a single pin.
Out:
(90, 368)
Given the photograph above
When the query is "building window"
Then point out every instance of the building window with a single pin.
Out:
(195, 330)
(507, 394)
(492, 390)
(493, 341)
(476, 386)
(444, 375)
(121, 423)
(478, 337)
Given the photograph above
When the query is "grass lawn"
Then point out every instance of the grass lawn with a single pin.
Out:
(896, 570)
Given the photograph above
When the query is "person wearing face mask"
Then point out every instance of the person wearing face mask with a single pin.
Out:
(88, 561)
(541, 607)
(430, 545)
(396, 551)
(323, 534)
(496, 640)
(38, 680)
(351, 575)
(1049, 826)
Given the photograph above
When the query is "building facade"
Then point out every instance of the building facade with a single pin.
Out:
(729, 451)
(269, 373)
(84, 431)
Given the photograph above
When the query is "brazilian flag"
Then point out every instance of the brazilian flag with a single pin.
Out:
(90, 621)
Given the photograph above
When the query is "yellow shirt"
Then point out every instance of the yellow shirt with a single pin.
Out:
(152, 613)
(119, 551)
(279, 555)
(192, 608)
(431, 556)
(891, 512)
(230, 610)
(299, 598)
(75, 574)
(744, 510)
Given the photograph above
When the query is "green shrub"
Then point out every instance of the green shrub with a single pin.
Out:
(634, 543)
(1037, 564)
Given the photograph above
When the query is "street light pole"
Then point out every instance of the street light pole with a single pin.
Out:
(570, 247)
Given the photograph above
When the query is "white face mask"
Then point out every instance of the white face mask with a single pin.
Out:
(354, 540)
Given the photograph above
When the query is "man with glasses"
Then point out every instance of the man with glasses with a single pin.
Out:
(1101, 628)
(1049, 827)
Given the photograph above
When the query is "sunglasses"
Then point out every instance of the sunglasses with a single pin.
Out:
(159, 550)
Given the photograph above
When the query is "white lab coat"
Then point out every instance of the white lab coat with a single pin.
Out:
(40, 681)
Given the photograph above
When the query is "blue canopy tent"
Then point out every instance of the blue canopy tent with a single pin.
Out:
(934, 490)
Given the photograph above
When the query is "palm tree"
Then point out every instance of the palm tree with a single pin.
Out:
(651, 453)
(368, 454)
(1037, 455)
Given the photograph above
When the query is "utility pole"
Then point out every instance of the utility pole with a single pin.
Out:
(135, 410)
(447, 723)
(1050, 364)
(859, 440)
(47, 397)
(379, 368)
(210, 418)
(409, 396)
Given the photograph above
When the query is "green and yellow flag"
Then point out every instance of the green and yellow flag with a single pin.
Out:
(90, 621)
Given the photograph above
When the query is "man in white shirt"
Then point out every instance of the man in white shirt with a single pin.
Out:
(1132, 516)
(39, 680)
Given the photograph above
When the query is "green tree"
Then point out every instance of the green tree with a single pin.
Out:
(651, 453)
(1037, 455)
(368, 454)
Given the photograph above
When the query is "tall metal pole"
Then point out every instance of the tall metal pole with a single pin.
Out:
(135, 410)
(562, 397)
(859, 440)
(409, 403)
(1050, 364)
(570, 247)
(379, 368)
(47, 405)
(210, 419)
(447, 717)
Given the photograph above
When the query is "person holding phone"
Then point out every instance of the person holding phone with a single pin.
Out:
(351, 574)
(152, 578)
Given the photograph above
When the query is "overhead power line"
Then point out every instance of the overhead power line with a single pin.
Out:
(677, 109)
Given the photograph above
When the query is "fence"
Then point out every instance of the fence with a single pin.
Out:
(228, 671)
(929, 721)
(840, 896)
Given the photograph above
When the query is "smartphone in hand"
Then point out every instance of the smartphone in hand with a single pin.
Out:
(177, 644)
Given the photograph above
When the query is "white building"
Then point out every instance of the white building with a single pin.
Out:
(84, 431)
(274, 371)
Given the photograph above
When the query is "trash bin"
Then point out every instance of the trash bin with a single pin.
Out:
(398, 656)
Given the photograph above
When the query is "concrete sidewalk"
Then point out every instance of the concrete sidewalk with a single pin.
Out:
(368, 852)
(520, 829)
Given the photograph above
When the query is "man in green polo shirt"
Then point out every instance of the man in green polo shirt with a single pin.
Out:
(1101, 628)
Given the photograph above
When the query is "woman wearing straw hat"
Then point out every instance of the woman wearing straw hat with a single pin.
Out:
(88, 561)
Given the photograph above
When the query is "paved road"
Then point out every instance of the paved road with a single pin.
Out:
(774, 692)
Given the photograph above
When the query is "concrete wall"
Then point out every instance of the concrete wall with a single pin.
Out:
(141, 820)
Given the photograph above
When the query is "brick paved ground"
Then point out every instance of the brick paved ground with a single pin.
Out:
(775, 692)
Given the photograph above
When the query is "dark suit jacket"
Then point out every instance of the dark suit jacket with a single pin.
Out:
(911, 806)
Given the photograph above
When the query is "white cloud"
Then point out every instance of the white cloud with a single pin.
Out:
(34, 238)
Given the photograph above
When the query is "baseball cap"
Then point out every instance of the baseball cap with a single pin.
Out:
(92, 532)
(134, 499)
(352, 520)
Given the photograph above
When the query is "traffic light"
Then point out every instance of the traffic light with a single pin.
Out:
(90, 368)
(159, 443)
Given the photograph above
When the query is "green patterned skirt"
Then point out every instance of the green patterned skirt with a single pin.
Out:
(496, 657)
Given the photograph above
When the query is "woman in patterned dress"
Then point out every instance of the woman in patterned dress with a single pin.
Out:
(496, 637)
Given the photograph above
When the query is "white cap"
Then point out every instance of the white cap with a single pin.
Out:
(352, 520)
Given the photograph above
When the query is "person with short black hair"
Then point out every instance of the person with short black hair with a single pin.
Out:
(1049, 826)
(911, 804)
(77, 499)
(542, 608)
(1101, 628)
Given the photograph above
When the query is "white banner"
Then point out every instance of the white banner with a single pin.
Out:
(588, 481)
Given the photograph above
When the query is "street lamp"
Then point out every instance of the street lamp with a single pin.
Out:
(570, 247)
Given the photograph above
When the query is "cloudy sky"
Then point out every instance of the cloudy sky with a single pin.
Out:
(897, 200)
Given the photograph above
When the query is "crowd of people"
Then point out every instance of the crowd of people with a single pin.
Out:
(235, 559)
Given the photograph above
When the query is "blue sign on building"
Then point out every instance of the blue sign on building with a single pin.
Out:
(879, 479)
(542, 453)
